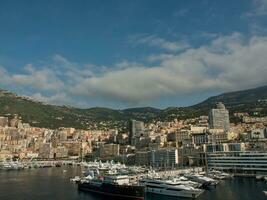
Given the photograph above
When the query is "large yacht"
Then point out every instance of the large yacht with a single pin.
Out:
(206, 181)
(117, 187)
(170, 188)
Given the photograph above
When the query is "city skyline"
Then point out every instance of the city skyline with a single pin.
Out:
(136, 99)
(131, 54)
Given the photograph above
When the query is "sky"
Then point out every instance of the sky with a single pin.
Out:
(131, 53)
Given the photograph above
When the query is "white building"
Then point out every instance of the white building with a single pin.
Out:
(164, 158)
(239, 162)
(219, 118)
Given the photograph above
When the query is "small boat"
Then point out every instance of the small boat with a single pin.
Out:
(76, 179)
(259, 177)
(58, 165)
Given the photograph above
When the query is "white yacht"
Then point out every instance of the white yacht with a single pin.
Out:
(184, 181)
(206, 181)
(76, 179)
(170, 188)
(219, 175)
(5, 166)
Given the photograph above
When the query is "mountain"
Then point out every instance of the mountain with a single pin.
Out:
(238, 97)
(51, 116)
(142, 113)
(253, 101)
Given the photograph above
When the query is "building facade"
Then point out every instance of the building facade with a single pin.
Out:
(219, 118)
(136, 130)
(239, 162)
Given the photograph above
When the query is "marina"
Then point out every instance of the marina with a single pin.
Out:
(189, 183)
(52, 183)
(133, 100)
(30, 164)
(131, 182)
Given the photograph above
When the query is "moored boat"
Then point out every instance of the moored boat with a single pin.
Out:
(170, 188)
(117, 187)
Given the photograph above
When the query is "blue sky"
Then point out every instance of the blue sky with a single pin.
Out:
(131, 53)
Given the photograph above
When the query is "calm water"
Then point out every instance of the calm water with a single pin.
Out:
(53, 183)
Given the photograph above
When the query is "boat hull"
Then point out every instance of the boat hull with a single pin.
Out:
(114, 191)
(166, 192)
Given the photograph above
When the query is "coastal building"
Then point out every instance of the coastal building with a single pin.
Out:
(217, 136)
(248, 119)
(219, 118)
(113, 135)
(258, 134)
(136, 129)
(235, 158)
(44, 151)
(164, 158)
(142, 158)
(142, 142)
(15, 121)
(224, 147)
(60, 152)
(183, 136)
(109, 151)
(238, 162)
(179, 136)
(3, 121)
(199, 138)
(74, 147)
(48, 152)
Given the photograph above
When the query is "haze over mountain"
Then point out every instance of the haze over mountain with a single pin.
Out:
(51, 116)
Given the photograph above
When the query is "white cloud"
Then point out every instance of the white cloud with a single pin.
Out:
(4, 77)
(227, 63)
(43, 79)
(154, 41)
(259, 8)
(159, 57)
(58, 98)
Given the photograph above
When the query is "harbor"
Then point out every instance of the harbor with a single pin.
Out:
(30, 164)
(98, 177)
(30, 185)
(133, 100)
(182, 183)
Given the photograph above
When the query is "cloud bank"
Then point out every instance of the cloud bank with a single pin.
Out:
(227, 63)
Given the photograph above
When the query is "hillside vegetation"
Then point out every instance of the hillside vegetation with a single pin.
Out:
(51, 116)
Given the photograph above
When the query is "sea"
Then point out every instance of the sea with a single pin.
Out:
(54, 184)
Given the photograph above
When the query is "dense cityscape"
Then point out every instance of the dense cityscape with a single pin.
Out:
(160, 145)
(147, 156)
(133, 100)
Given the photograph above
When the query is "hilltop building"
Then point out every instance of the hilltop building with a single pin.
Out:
(3, 121)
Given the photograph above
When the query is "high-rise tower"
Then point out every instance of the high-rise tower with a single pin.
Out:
(136, 129)
(219, 118)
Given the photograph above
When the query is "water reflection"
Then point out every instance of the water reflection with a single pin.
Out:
(53, 183)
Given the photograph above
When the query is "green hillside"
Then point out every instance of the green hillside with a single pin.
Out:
(43, 115)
